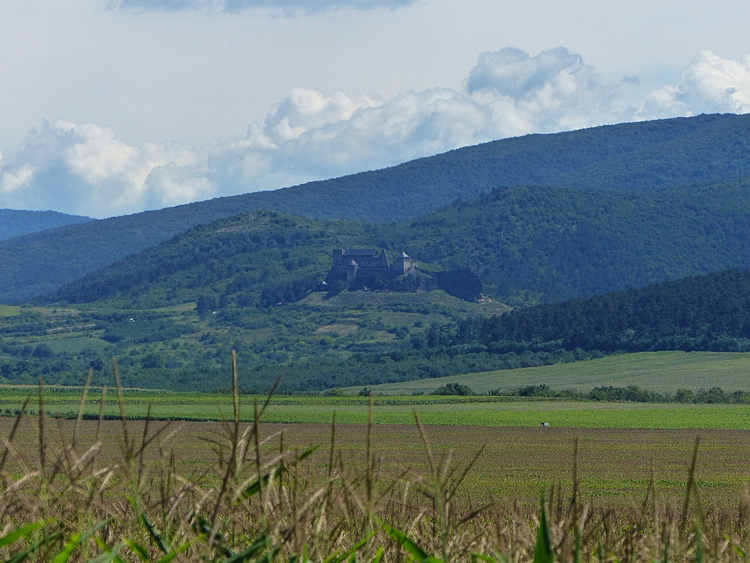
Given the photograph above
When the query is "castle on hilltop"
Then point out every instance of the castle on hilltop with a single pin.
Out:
(359, 269)
(367, 265)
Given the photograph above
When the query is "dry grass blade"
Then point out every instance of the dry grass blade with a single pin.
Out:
(13, 431)
(82, 406)
(128, 445)
(690, 487)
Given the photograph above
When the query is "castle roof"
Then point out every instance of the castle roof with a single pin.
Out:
(359, 252)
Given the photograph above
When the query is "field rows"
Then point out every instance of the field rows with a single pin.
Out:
(393, 410)
(516, 463)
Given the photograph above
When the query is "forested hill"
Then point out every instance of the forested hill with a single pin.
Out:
(255, 259)
(710, 312)
(630, 156)
(633, 157)
(536, 244)
(15, 223)
(528, 244)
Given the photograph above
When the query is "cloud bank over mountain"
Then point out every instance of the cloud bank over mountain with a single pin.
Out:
(83, 168)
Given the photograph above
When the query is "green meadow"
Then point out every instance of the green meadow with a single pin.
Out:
(9, 310)
(662, 372)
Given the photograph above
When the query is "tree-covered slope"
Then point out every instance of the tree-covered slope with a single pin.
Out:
(174, 312)
(246, 260)
(16, 223)
(709, 312)
(634, 156)
(532, 244)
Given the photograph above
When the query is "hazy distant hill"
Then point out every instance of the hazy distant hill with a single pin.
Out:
(633, 157)
(14, 223)
(528, 244)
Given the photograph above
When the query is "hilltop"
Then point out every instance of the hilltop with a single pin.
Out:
(173, 314)
(15, 223)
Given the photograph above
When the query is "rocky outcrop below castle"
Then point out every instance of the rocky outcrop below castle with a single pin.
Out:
(464, 284)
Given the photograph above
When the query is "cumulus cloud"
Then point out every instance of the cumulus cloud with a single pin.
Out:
(710, 84)
(338, 134)
(84, 169)
(313, 135)
(234, 6)
(551, 91)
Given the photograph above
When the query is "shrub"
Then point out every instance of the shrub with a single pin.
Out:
(454, 389)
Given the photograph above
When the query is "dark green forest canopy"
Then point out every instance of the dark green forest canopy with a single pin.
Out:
(710, 312)
(705, 150)
(534, 244)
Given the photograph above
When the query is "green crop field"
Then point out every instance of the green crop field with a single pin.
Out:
(453, 411)
(516, 463)
(662, 372)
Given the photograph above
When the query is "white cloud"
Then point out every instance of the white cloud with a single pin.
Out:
(234, 6)
(310, 135)
(710, 84)
(306, 109)
(554, 90)
(84, 168)
(12, 180)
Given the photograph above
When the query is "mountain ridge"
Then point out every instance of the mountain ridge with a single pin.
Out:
(39, 263)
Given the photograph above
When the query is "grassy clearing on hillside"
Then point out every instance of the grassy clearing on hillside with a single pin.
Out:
(76, 345)
(9, 310)
(662, 372)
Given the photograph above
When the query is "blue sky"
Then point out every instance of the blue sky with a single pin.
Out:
(111, 107)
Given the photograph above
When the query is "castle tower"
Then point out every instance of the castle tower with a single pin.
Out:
(403, 264)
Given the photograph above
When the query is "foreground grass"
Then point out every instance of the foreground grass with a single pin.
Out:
(277, 480)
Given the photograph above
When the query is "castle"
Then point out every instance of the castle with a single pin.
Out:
(366, 265)
(356, 269)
